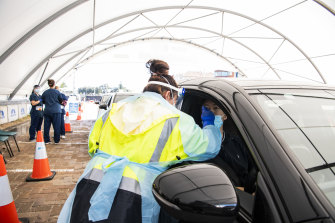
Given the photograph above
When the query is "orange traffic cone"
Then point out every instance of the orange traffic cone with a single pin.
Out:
(82, 107)
(79, 115)
(67, 123)
(41, 169)
(8, 212)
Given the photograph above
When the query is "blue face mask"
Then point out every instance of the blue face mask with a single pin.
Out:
(218, 121)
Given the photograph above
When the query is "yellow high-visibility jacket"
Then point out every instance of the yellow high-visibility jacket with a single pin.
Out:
(131, 144)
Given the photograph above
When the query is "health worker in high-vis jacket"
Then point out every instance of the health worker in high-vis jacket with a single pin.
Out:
(133, 142)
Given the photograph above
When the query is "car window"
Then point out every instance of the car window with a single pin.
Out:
(109, 101)
(119, 97)
(93, 98)
(234, 157)
(305, 120)
(105, 99)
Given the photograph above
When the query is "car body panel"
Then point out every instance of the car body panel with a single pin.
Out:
(295, 195)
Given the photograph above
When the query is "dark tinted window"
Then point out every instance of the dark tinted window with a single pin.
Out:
(305, 120)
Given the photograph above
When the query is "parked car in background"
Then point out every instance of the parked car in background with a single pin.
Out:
(108, 100)
(93, 98)
(289, 130)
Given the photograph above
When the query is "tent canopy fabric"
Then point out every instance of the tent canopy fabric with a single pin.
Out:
(287, 39)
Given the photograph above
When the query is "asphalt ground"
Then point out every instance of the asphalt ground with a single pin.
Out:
(42, 201)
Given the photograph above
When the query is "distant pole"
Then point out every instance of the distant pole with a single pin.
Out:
(74, 80)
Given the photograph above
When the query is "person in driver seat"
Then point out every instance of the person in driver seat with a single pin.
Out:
(233, 157)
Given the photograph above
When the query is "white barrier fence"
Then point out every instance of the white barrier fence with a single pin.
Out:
(13, 110)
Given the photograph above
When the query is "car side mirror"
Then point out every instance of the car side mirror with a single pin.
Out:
(196, 193)
(103, 106)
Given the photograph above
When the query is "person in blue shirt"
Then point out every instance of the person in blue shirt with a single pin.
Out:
(36, 112)
(52, 100)
(62, 124)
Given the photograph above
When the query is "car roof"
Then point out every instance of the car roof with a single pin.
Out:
(260, 84)
(125, 93)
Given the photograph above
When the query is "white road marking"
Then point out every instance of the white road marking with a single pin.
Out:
(30, 170)
(62, 143)
(69, 133)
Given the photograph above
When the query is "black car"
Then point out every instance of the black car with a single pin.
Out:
(289, 131)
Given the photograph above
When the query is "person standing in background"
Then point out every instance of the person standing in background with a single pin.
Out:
(52, 112)
(62, 124)
(36, 112)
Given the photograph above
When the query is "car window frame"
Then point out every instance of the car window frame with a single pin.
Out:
(313, 189)
(239, 125)
(110, 100)
(308, 189)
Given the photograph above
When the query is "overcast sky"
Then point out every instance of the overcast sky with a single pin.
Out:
(126, 64)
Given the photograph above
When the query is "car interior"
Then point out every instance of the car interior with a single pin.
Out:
(192, 103)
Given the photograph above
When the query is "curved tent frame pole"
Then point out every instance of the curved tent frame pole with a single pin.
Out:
(145, 39)
(44, 61)
(77, 3)
(217, 34)
(223, 11)
(73, 57)
(153, 27)
(37, 28)
(45, 68)
(325, 6)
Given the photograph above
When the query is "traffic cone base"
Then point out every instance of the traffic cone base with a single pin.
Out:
(41, 169)
(68, 131)
(24, 220)
(30, 178)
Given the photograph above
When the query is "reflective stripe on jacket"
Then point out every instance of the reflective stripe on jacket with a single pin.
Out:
(131, 144)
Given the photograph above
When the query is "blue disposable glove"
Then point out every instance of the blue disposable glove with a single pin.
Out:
(207, 117)
(41, 100)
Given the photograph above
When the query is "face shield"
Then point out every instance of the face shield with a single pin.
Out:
(180, 92)
(180, 98)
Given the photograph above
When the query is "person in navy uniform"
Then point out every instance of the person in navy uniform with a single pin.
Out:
(36, 112)
(62, 124)
(52, 111)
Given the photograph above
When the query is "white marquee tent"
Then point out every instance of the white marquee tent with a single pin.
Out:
(286, 39)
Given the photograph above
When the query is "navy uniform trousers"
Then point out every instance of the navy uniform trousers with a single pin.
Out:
(55, 119)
